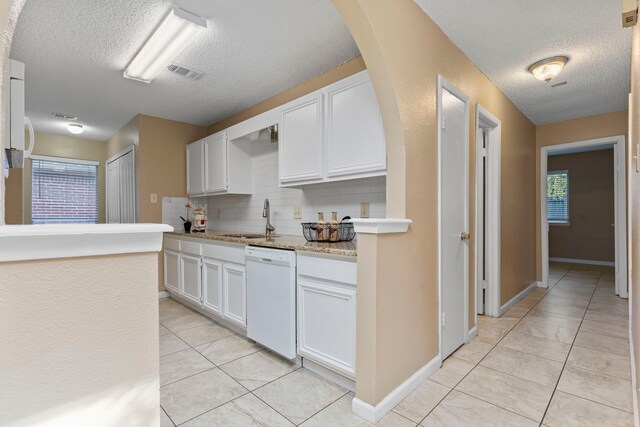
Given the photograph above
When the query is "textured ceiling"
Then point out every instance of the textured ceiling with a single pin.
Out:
(75, 51)
(504, 37)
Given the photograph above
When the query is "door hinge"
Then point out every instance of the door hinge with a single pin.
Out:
(443, 319)
(484, 152)
(443, 122)
(484, 284)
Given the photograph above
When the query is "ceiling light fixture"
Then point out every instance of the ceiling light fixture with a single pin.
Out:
(75, 128)
(548, 68)
(177, 30)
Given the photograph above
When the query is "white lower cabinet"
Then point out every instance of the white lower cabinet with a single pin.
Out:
(215, 280)
(172, 271)
(191, 277)
(212, 286)
(327, 313)
(235, 293)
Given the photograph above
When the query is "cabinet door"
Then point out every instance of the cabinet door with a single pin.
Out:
(172, 271)
(235, 293)
(215, 154)
(355, 136)
(301, 141)
(212, 286)
(327, 325)
(195, 168)
(191, 280)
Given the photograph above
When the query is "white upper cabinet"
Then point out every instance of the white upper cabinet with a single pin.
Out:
(195, 168)
(225, 166)
(215, 154)
(333, 134)
(354, 134)
(300, 145)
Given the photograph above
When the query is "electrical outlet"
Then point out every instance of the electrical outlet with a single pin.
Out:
(297, 212)
(153, 198)
(364, 210)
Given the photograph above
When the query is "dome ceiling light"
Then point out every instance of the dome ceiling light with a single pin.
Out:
(548, 68)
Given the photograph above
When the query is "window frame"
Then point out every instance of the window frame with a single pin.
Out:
(560, 222)
(64, 160)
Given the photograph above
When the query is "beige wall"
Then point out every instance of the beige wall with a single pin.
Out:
(589, 235)
(80, 342)
(398, 301)
(18, 194)
(592, 127)
(634, 202)
(160, 155)
(331, 76)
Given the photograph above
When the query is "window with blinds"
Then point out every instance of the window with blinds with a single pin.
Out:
(558, 197)
(64, 191)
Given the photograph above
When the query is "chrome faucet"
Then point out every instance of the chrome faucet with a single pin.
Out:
(266, 213)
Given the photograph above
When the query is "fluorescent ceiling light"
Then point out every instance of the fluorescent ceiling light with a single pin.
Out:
(75, 128)
(548, 68)
(177, 30)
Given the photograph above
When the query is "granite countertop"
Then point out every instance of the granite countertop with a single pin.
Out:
(297, 243)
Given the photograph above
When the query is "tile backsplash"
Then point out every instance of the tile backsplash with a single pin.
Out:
(174, 207)
(243, 213)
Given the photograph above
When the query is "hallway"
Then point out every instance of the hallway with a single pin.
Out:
(560, 357)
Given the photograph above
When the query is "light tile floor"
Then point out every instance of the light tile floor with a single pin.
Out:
(560, 357)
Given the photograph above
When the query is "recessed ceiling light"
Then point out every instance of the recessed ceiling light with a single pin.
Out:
(548, 68)
(75, 128)
(177, 30)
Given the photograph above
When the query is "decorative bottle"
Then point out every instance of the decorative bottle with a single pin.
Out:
(334, 228)
(321, 228)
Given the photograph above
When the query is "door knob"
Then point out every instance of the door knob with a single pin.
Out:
(464, 236)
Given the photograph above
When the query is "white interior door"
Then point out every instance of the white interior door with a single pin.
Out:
(454, 221)
(121, 188)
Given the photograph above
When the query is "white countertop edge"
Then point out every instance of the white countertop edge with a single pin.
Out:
(34, 242)
(381, 225)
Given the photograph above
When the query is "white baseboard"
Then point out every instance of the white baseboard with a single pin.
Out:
(163, 294)
(334, 377)
(583, 261)
(513, 301)
(634, 384)
(541, 284)
(373, 414)
(473, 332)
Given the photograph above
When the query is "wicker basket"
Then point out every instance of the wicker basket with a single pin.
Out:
(315, 232)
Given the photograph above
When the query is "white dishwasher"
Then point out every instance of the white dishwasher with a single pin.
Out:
(271, 299)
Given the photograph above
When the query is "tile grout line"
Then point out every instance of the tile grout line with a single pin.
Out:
(493, 347)
(570, 348)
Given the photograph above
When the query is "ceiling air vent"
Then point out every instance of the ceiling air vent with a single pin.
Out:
(185, 72)
(64, 116)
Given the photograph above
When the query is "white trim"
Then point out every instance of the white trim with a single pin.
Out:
(30, 242)
(373, 414)
(484, 119)
(332, 376)
(444, 84)
(163, 294)
(513, 301)
(473, 332)
(120, 154)
(381, 225)
(540, 284)
(65, 160)
(583, 261)
(634, 384)
(620, 191)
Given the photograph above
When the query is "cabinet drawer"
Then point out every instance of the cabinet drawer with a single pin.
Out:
(226, 253)
(336, 270)
(191, 247)
(170, 243)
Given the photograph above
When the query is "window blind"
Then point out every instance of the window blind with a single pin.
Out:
(63, 192)
(558, 196)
